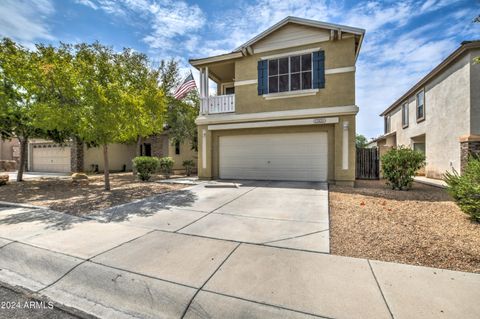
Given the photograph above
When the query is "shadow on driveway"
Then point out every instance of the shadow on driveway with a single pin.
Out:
(10, 215)
(146, 207)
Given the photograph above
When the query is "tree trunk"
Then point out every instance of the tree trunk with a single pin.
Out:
(139, 144)
(23, 157)
(106, 172)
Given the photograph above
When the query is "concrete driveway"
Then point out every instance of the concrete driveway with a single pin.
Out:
(256, 251)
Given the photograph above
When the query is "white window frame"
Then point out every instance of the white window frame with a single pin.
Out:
(419, 119)
(405, 115)
(289, 91)
(388, 124)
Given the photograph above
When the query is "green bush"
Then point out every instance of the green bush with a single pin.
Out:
(465, 188)
(399, 166)
(189, 165)
(166, 165)
(145, 166)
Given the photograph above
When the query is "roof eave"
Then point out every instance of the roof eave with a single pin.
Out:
(313, 23)
(217, 58)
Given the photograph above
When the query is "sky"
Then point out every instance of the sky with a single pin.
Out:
(404, 39)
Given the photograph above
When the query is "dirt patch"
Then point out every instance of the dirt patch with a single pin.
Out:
(62, 195)
(422, 226)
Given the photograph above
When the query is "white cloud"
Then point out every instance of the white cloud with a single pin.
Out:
(393, 60)
(87, 3)
(170, 24)
(26, 21)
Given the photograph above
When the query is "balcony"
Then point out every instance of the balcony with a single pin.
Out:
(217, 104)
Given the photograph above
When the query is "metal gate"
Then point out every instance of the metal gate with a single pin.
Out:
(367, 166)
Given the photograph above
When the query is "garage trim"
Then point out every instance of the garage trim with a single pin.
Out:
(316, 121)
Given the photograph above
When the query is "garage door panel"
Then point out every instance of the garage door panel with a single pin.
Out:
(296, 156)
(51, 158)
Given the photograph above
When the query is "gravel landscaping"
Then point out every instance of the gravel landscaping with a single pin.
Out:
(422, 226)
(76, 199)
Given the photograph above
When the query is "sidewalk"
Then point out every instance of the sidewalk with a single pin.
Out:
(141, 266)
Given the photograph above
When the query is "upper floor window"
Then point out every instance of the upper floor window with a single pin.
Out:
(420, 97)
(290, 73)
(387, 124)
(405, 115)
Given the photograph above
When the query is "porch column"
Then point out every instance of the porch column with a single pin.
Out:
(469, 146)
(202, 91)
(206, 82)
(345, 148)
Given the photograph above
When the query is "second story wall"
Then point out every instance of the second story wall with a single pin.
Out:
(339, 87)
(447, 117)
(474, 94)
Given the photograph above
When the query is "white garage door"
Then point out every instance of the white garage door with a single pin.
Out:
(50, 157)
(297, 157)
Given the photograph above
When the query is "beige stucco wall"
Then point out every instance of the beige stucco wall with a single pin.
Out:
(186, 153)
(335, 137)
(6, 149)
(447, 117)
(122, 154)
(474, 94)
(118, 155)
(339, 88)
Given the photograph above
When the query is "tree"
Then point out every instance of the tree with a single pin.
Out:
(361, 141)
(181, 113)
(19, 98)
(99, 96)
(120, 97)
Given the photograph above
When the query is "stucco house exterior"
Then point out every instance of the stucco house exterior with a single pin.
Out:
(284, 107)
(9, 154)
(47, 156)
(440, 115)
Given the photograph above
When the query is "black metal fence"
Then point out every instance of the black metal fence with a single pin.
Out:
(368, 163)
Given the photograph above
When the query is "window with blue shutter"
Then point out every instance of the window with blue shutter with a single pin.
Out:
(318, 69)
(291, 73)
(262, 77)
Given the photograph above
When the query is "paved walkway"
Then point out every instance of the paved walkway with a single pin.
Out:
(430, 181)
(36, 175)
(256, 251)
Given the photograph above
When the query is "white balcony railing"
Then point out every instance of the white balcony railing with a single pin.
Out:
(217, 104)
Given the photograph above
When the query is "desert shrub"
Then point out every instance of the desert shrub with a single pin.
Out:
(189, 166)
(145, 166)
(166, 165)
(465, 188)
(399, 166)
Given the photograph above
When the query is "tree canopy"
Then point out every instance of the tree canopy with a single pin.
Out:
(182, 113)
(361, 141)
(87, 91)
(21, 94)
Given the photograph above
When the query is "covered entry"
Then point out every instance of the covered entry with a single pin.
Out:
(285, 156)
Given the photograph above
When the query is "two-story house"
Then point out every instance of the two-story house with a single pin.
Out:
(284, 107)
(440, 115)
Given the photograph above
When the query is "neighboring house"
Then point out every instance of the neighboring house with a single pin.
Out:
(9, 151)
(285, 105)
(440, 115)
(47, 156)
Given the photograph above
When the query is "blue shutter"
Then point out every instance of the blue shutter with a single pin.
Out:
(318, 69)
(262, 81)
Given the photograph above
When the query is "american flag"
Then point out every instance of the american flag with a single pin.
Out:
(187, 86)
